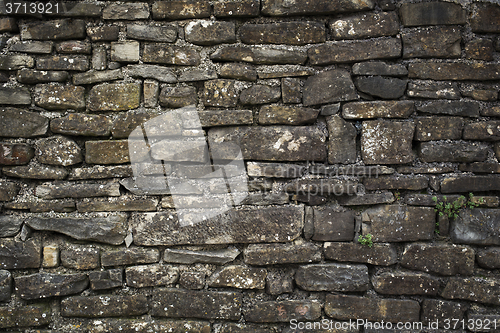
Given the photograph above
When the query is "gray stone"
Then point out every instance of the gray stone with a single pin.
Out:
(216, 257)
(54, 96)
(378, 254)
(125, 51)
(275, 170)
(439, 259)
(332, 225)
(432, 13)
(434, 90)
(220, 93)
(404, 283)
(283, 311)
(58, 150)
(485, 131)
(160, 326)
(473, 289)
(396, 183)
(291, 33)
(177, 303)
(378, 86)
(25, 316)
(97, 76)
(246, 8)
(365, 26)
(238, 71)
(378, 109)
(436, 151)
(273, 224)
(379, 68)
(104, 306)
(5, 285)
(58, 206)
(351, 171)
(206, 32)
(240, 277)
(79, 9)
(181, 9)
(438, 128)
(457, 71)
(126, 11)
(119, 205)
(107, 279)
(130, 256)
(469, 184)
(101, 172)
(340, 88)
(291, 90)
(275, 254)
(44, 285)
(478, 226)
(63, 63)
(151, 275)
(192, 280)
(82, 47)
(433, 43)
(316, 7)
(279, 281)
(323, 186)
(436, 310)
(262, 55)
(178, 97)
(32, 47)
(31, 76)
(430, 170)
(55, 30)
(386, 142)
(15, 96)
(164, 33)
(489, 258)
(15, 254)
(99, 58)
(341, 141)
(395, 223)
(103, 33)
(192, 75)
(13, 62)
(36, 172)
(9, 190)
(259, 143)
(347, 51)
(287, 115)
(162, 53)
(114, 97)
(366, 199)
(10, 225)
(260, 94)
(125, 123)
(15, 153)
(81, 124)
(333, 277)
(98, 227)
(80, 257)
(484, 17)
(211, 118)
(452, 108)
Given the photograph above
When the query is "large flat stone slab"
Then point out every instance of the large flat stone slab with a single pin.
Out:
(477, 226)
(314, 7)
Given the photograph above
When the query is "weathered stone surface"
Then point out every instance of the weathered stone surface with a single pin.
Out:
(379, 68)
(378, 86)
(32, 47)
(323, 186)
(159, 326)
(403, 283)
(125, 51)
(332, 277)
(130, 256)
(119, 205)
(80, 257)
(10, 225)
(55, 30)
(260, 94)
(353, 170)
(378, 109)
(452, 108)
(125, 123)
(332, 225)
(454, 71)
(347, 51)
(114, 97)
(176, 303)
(107, 152)
(485, 17)
(386, 142)
(25, 316)
(161, 53)
(150, 93)
(469, 184)
(211, 118)
(15, 61)
(20, 255)
(340, 88)
(291, 90)
(273, 224)
(342, 141)
(238, 71)
(432, 13)
(273, 254)
(192, 280)
(126, 11)
(433, 43)
(178, 97)
(429, 170)
(15, 96)
(436, 310)
(43, 285)
(59, 97)
(81, 124)
(151, 275)
(63, 63)
(261, 55)
(243, 328)
(287, 115)
(15, 153)
(164, 33)
(452, 151)
(480, 49)
(8, 190)
(279, 281)
(489, 257)
(245, 8)
(282, 311)
(240, 277)
(396, 183)
(395, 223)
(365, 26)
(104, 306)
(5, 285)
(485, 131)
(210, 32)
(440, 259)
(346, 307)
(107, 279)
(79, 9)
(8, 24)
(474, 289)
(99, 227)
(192, 75)
(103, 33)
(31, 76)
(220, 93)
(477, 226)
(58, 150)
(292, 33)
(82, 47)
(181, 9)
(61, 206)
(366, 199)
(434, 90)
(321, 7)
(216, 257)
(378, 254)
(275, 170)
(93, 76)
(101, 172)
(270, 143)
(438, 128)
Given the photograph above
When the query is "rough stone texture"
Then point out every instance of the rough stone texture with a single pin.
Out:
(283, 311)
(13, 62)
(396, 183)
(379, 68)
(120, 205)
(31, 76)
(99, 227)
(107, 152)
(10, 225)
(80, 257)
(480, 49)
(58, 150)
(403, 283)
(486, 131)
(176, 303)
(378, 86)
(217, 257)
(9, 190)
(261, 55)
(104, 306)
(332, 277)
(43, 285)
(272, 254)
(439, 259)
(15, 154)
(377, 109)
(292, 33)
(151, 275)
(344, 51)
(365, 26)
(33, 47)
(489, 258)
(451, 108)
(386, 142)
(322, 7)
(239, 276)
(433, 43)
(25, 316)
(16, 254)
(438, 128)
(395, 223)
(209, 32)
(367, 199)
(160, 73)
(103, 33)
(474, 289)
(54, 30)
(432, 13)
(260, 94)
(433, 90)
(477, 226)
(5, 285)
(254, 225)
(345, 307)
(340, 87)
(15, 96)
(452, 152)
(81, 124)
(220, 93)
(439, 310)
(180, 9)
(114, 97)
(238, 71)
(131, 256)
(378, 254)
(163, 33)
(126, 11)
(161, 53)
(458, 71)
(125, 51)
(225, 117)
(163, 326)
(108, 279)
(331, 225)
(192, 280)
(287, 115)
(178, 97)
(245, 8)
(485, 17)
(74, 47)
(342, 141)
(63, 63)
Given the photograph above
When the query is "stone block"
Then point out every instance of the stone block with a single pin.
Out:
(81, 124)
(164, 33)
(125, 51)
(432, 13)
(239, 276)
(404, 283)
(480, 49)
(80, 257)
(378, 109)
(15, 61)
(15, 153)
(287, 115)
(181, 9)
(60, 97)
(476, 226)
(25, 316)
(485, 18)
(163, 53)
(489, 257)
(220, 93)
(114, 97)
(104, 306)
(365, 26)
(103, 33)
(16, 254)
(15, 96)
(178, 97)
(210, 32)
(44, 285)
(151, 275)
(54, 30)
(341, 141)
(341, 88)
(378, 86)
(436, 151)
(332, 277)
(438, 128)
(457, 71)
(291, 33)
(485, 131)
(245, 8)
(432, 43)
(438, 310)
(108, 279)
(273, 254)
(451, 108)
(29, 46)
(378, 254)
(282, 311)
(474, 289)
(31, 76)
(316, 7)
(379, 68)
(260, 94)
(130, 256)
(63, 63)
(126, 11)
(433, 90)
(58, 150)
(9, 190)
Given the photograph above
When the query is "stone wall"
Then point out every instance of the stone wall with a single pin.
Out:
(351, 117)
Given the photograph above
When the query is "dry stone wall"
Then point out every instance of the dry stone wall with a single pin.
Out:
(356, 120)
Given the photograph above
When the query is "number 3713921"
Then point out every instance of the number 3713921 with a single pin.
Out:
(25, 7)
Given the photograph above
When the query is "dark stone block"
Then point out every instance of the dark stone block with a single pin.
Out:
(101, 280)
(315, 7)
(54, 30)
(485, 17)
(44, 285)
(273, 254)
(282, 311)
(63, 63)
(477, 226)
(403, 283)
(489, 257)
(210, 32)
(332, 277)
(104, 306)
(15, 153)
(451, 108)
(378, 254)
(341, 88)
(436, 151)
(181, 9)
(162, 53)
(292, 33)
(246, 8)
(432, 13)
(438, 310)
(473, 289)
(438, 128)
(20, 255)
(378, 86)
(457, 71)
(25, 316)
(365, 26)
(331, 225)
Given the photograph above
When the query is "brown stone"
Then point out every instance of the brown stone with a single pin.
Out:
(454, 71)
(104, 306)
(457, 151)
(130, 256)
(81, 124)
(72, 190)
(13, 62)
(378, 86)
(438, 128)
(220, 93)
(36, 172)
(291, 90)
(9, 190)
(240, 277)
(59, 97)
(121, 205)
(378, 254)
(80, 257)
(126, 11)
(103, 33)
(44, 285)
(238, 71)
(261, 55)
(292, 33)
(82, 47)
(158, 326)
(365, 26)
(16, 254)
(433, 43)
(396, 183)
(489, 257)
(436, 310)
(63, 63)
(15, 96)
(15, 153)
(25, 316)
(114, 97)
(403, 283)
(211, 118)
(58, 150)
(485, 17)
(55, 30)
(340, 88)
(8, 24)
(210, 32)
(101, 172)
(476, 226)
(452, 108)
(316, 7)
(151, 275)
(473, 289)
(181, 9)
(379, 68)
(480, 49)
(106, 279)
(260, 94)
(32, 47)
(378, 109)
(178, 97)
(245, 8)
(434, 90)
(485, 131)
(282, 311)
(331, 225)
(287, 115)
(163, 33)
(32, 76)
(432, 13)
(107, 152)
(162, 53)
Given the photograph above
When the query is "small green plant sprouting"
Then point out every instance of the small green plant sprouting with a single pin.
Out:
(397, 196)
(366, 240)
(451, 209)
